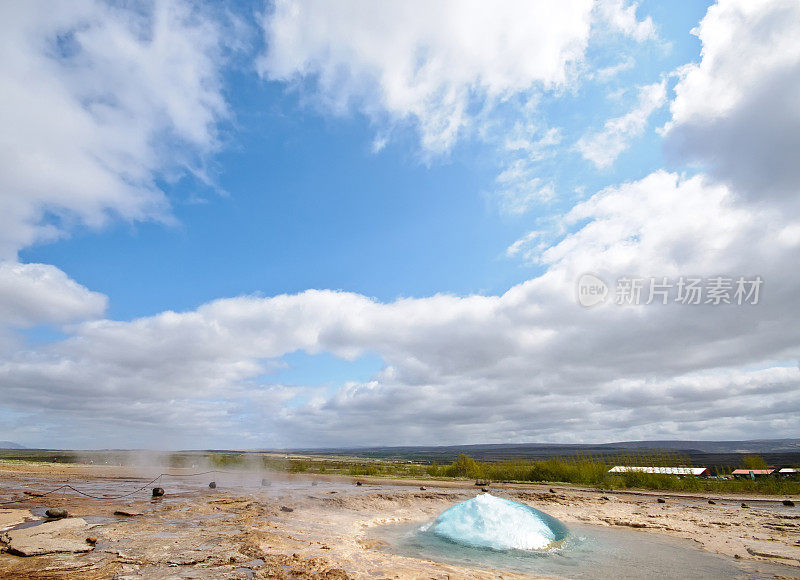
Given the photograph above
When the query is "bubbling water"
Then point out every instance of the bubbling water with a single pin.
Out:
(486, 521)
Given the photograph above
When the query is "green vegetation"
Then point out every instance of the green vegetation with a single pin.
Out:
(754, 462)
(39, 456)
(584, 470)
(593, 472)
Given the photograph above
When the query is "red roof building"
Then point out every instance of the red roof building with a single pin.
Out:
(753, 472)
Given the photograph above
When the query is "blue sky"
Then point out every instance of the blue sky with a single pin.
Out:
(299, 199)
(235, 157)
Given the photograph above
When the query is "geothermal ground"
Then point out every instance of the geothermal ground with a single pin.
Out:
(318, 527)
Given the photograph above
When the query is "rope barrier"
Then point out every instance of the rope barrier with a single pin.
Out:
(145, 486)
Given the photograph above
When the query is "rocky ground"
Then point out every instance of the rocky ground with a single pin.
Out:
(299, 527)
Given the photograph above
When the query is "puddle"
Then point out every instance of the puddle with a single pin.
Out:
(24, 525)
(588, 552)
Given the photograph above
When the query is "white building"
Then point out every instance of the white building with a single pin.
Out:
(680, 471)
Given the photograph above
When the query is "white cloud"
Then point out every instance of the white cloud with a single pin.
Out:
(33, 294)
(621, 17)
(607, 73)
(519, 138)
(735, 113)
(523, 244)
(431, 63)
(605, 147)
(519, 188)
(459, 369)
(98, 100)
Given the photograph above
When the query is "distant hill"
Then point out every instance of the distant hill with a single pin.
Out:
(11, 445)
(536, 449)
(750, 446)
(774, 451)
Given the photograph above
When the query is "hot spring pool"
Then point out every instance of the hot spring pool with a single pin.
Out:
(488, 532)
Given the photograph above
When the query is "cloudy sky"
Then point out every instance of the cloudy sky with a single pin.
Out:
(355, 223)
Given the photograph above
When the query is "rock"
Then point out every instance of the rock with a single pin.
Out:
(359, 484)
(91, 540)
(56, 513)
(744, 505)
(606, 498)
(737, 556)
(552, 490)
(34, 493)
(212, 485)
(286, 509)
(158, 491)
(265, 482)
(11, 517)
(788, 503)
(64, 535)
(422, 488)
(314, 484)
(189, 558)
(661, 500)
(768, 549)
(127, 512)
(485, 489)
(712, 502)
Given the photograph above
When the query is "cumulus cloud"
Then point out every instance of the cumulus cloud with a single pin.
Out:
(33, 294)
(516, 372)
(604, 147)
(735, 113)
(98, 100)
(432, 63)
(473, 368)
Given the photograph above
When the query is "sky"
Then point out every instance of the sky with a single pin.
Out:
(314, 224)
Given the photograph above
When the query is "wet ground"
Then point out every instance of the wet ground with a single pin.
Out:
(326, 527)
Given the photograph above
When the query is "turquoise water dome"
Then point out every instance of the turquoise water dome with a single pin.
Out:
(492, 522)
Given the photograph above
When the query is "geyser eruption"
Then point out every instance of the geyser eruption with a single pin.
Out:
(487, 521)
